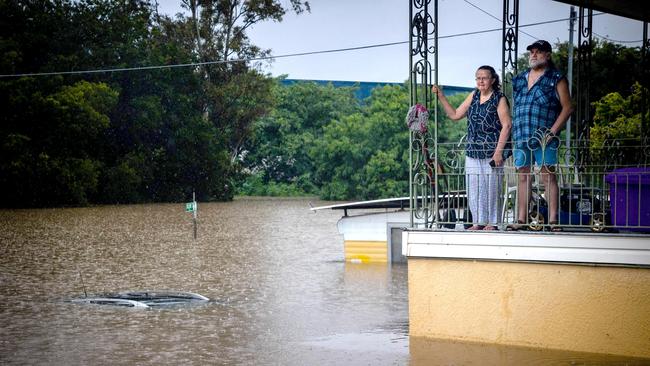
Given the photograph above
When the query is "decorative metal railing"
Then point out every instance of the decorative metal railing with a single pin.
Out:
(592, 176)
(423, 44)
(610, 195)
(509, 41)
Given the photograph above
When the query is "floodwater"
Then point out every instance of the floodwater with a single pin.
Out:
(281, 292)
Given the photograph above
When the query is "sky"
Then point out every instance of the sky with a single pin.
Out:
(336, 24)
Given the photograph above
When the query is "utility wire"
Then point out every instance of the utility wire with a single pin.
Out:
(201, 63)
(194, 64)
(614, 40)
(533, 37)
(495, 17)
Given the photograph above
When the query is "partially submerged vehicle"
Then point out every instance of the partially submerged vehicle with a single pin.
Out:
(145, 299)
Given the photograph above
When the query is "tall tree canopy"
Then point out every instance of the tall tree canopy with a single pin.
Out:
(131, 136)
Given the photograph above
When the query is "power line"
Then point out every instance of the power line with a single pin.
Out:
(614, 40)
(200, 63)
(495, 17)
(195, 64)
(533, 37)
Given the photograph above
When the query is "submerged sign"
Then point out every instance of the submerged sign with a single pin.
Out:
(190, 207)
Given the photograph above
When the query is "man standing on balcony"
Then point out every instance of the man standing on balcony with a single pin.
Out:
(542, 105)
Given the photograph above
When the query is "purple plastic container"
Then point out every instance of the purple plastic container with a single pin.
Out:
(629, 191)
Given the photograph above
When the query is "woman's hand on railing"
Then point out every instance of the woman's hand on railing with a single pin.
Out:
(436, 90)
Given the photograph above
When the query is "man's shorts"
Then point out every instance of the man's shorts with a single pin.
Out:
(541, 157)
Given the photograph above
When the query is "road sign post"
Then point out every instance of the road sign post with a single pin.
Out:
(193, 208)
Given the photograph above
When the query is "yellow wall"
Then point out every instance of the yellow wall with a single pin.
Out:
(366, 251)
(569, 307)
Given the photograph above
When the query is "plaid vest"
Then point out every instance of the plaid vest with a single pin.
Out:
(535, 108)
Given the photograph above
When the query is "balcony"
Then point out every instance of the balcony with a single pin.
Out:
(611, 196)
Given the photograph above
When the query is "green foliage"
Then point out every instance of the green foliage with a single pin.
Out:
(136, 136)
(321, 140)
(278, 151)
(254, 185)
(450, 134)
(362, 152)
(365, 155)
(50, 156)
(617, 135)
(384, 176)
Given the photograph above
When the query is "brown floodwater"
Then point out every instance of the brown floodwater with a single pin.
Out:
(281, 292)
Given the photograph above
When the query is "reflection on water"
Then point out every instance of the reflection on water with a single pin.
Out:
(281, 292)
(425, 352)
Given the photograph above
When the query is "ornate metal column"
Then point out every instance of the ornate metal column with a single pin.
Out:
(510, 37)
(423, 68)
(583, 103)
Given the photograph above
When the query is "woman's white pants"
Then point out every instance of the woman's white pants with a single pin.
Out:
(484, 185)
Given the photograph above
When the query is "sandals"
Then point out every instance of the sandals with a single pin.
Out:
(519, 226)
(482, 228)
(554, 227)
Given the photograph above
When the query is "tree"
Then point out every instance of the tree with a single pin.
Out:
(218, 32)
(365, 155)
(51, 158)
(165, 133)
(616, 136)
(321, 140)
(278, 151)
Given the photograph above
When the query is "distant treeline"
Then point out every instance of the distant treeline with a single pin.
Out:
(322, 140)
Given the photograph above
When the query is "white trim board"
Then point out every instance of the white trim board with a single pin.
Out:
(545, 247)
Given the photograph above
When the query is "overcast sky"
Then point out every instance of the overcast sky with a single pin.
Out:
(336, 24)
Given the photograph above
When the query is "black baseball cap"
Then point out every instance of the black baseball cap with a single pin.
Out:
(541, 45)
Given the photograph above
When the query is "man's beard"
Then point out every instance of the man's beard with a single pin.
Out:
(536, 64)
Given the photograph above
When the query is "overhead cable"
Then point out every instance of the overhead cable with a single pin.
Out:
(194, 64)
(497, 18)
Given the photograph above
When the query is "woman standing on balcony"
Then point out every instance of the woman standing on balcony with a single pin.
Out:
(488, 131)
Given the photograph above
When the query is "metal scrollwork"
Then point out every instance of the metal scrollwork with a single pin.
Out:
(422, 27)
(453, 160)
(431, 30)
(510, 48)
(583, 109)
(510, 36)
(422, 178)
(545, 140)
(418, 26)
(423, 147)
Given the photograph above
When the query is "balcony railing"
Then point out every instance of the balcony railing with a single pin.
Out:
(610, 195)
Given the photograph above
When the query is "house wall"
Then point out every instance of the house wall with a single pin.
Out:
(586, 308)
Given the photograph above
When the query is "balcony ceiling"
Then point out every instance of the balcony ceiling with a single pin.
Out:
(633, 9)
